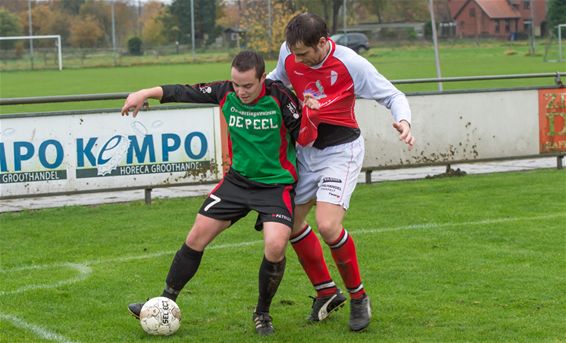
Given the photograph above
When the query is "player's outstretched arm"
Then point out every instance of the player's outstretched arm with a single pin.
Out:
(135, 100)
(404, 129)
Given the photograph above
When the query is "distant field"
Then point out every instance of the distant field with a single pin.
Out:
(396, 63)
(473, 259)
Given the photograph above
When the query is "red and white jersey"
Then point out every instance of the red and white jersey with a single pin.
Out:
(336, 82)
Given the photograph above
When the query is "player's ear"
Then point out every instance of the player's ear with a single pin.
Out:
(322, 42)
(262, 78)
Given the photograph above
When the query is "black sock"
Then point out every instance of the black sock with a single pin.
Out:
(184, 266)
(270, 275)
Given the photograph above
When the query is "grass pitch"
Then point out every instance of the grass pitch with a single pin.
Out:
(473, 259)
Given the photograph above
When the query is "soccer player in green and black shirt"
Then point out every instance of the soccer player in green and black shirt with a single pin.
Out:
(263, 124)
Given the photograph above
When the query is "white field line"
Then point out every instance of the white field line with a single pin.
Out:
(355, 232)
(426, 226)
(83, 269)
(39, 331)
(442, 225)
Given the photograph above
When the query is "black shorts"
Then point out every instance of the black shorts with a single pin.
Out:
(235, 196)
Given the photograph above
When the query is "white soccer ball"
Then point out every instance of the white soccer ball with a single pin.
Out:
(160, 316)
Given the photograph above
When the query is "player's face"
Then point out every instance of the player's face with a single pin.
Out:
(246, 84)
(309, 55)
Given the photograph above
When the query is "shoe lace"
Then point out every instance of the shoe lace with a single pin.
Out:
(358, 309)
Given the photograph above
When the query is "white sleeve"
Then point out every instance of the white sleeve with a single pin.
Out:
(279, 73)
(370, 84)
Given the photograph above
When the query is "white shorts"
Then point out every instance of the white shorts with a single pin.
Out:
(329, 175)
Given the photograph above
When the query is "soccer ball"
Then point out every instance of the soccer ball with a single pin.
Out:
(160, 316)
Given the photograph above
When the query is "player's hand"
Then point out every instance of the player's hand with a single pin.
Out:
(310, 102)
(134, 102)
(405, 135)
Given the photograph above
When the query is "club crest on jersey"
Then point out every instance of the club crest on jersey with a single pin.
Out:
(333, 77)
(206, 89)
(315, 89)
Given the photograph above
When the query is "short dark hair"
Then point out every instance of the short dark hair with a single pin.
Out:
(306, 28)
(247, 60)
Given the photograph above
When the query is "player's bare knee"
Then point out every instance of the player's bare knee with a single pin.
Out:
(195, 242)
(276, 247)
(329, 229)
(275, 250)
(328, 224)
(274, 255)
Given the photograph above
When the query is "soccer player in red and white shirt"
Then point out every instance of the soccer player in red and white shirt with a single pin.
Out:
(331, 153)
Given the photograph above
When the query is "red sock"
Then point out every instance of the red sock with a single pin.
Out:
(308, 249)
(344, 254)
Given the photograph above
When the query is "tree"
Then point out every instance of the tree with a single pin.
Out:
(50, 21)
(255, 20)
(206, 21)
(9, 26)
(204, 16)
(330, 12)
(153, 31)
(72, 7)
(14, 6)
(180, 11)
(406, 11)
(228, 15)
(135, 46)
(124, 18)
(319, 7)
(100, 12)
(336, 5)
(556, 13)
(86, 32)
(376, 7)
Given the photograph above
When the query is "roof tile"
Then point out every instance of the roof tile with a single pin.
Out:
(498, 9)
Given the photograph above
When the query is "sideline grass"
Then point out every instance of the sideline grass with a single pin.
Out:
(396, 63)
(473, 259)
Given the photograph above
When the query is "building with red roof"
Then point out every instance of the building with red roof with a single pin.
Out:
(498, 18)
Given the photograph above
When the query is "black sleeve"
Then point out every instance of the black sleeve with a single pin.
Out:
(290, 108)
(200, 93)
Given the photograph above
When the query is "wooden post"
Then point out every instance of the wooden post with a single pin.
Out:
(147, 194)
